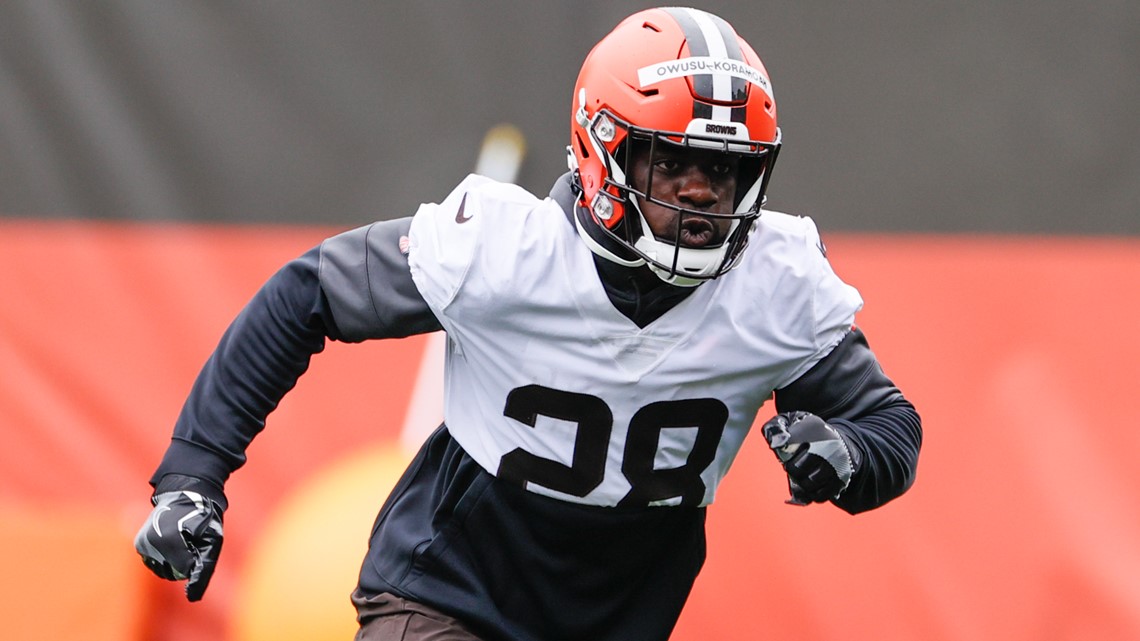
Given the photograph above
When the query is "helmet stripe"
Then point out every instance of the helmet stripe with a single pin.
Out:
(739, 86)
(732, 52)
(709, 35)
(695, 37)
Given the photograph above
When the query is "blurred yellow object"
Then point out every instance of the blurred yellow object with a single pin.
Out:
(502, 152)
(297, 582)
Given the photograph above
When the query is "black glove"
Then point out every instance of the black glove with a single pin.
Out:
(815, 456)
(182, 539)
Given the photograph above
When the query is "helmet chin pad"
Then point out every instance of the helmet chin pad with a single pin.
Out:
(687, 266)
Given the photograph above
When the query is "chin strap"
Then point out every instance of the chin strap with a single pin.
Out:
(596, 246)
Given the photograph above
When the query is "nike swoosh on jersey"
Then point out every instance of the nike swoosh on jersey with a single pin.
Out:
(459, 217)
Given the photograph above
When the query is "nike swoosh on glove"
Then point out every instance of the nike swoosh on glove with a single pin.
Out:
(182, 539)
(815, 456)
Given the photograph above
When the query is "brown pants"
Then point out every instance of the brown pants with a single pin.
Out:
(386, 617)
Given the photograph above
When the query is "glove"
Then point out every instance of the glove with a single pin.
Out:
(182, 539)
(815, 456)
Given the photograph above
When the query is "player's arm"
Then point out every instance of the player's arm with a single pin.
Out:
(353, 287)
(846, 405)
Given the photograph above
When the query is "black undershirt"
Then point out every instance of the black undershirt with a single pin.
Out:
(636, 292)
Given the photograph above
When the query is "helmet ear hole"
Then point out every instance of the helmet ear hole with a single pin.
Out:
(582, 149)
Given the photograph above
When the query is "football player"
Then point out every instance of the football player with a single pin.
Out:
(609, 348)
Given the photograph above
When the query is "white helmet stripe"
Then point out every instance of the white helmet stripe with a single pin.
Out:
(708, 37)
(722, 83)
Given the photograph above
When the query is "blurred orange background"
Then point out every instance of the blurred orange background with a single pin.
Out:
(1020, 353)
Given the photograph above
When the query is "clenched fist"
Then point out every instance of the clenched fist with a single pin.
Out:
(814, 455)
(182, 538)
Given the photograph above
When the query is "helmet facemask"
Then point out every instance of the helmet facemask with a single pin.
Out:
(665, 252)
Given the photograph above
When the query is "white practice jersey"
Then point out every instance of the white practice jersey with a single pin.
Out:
(549, 386)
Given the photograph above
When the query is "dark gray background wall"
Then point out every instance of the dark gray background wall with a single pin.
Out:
(902, 116)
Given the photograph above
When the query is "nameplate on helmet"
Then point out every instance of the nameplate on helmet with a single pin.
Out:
(698, 65)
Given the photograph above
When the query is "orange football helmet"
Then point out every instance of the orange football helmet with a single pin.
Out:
(671, 76)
